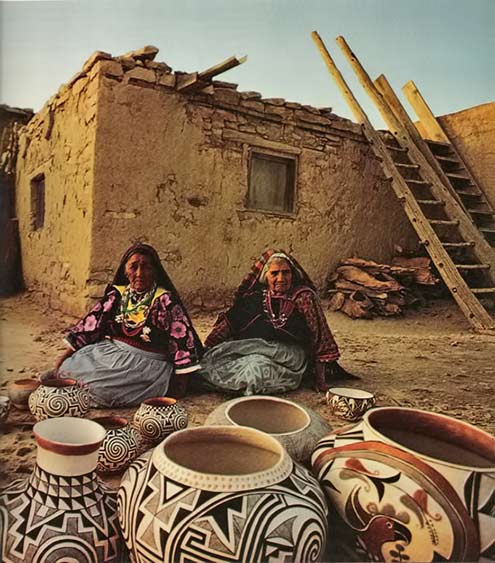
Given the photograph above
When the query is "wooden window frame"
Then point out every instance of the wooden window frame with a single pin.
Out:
(38, 202)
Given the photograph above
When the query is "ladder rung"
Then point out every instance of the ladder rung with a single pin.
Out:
(407, 166)
(397, 148)
(483, 289)
(438, 143)
(472, 266)
(463, 193)
(447, 159)
(457, 176)
(458, 244)
(486, 230)
(479, 212)
(417, 182)
(430, 202)
(443, 222)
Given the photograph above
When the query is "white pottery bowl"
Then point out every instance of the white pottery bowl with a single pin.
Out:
(348, 403)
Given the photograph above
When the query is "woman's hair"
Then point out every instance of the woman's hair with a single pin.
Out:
(279, 257)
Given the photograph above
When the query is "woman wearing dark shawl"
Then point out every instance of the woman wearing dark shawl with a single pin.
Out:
(273, 335)
(138, 341)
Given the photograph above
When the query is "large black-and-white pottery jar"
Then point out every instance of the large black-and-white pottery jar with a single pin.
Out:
(221, 493)
(410, 485)
(297, 427)
(62, 512)
(120, 446)
(55, 398)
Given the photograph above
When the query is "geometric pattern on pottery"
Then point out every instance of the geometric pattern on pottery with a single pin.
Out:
(349, 408)
(164, 521)
(156, 423)
(53, 402)
(49, 519)
(299, 444)
(118, 450)
(479, 497)
(4, 410)
(399, 507)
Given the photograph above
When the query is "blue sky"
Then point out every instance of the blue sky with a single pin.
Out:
(445, 46)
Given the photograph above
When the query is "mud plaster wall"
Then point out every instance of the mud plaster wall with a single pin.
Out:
(173, 171)
(472, 132)
(59, 143)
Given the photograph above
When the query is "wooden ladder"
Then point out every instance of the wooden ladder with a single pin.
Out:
(462, 181)
(435, 214)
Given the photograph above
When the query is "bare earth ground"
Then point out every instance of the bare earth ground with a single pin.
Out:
(428, 359)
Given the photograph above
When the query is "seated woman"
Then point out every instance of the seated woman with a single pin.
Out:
(138, 341)
(274, 334)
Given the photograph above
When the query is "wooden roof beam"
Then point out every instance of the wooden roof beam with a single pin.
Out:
(198, 80)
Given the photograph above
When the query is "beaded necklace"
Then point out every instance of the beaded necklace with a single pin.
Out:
(134, 309)
(285, 308)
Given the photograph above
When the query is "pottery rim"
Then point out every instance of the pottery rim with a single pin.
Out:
(111, 422)
(464, 438)
(59, 382)
(301, 413)
(223, 482)
(69, 435)
(25, 383)
(350, 393)
(160, 402)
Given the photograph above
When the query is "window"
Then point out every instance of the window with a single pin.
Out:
(272, 182)
(38, 201)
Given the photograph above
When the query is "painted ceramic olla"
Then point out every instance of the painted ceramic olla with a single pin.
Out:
(59, 397)
(221, 493)
(4, 408)
(348, 403)
(119, 447)
(295, 426)
(411, 485)
(19, 391)
(158, 417)
(62, 512)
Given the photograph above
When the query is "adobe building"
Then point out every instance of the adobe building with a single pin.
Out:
(129, 150)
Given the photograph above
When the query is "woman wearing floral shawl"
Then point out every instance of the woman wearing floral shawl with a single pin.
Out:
(138, 341)
(273, 335)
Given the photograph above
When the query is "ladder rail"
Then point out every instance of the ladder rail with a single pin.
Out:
(468, 303)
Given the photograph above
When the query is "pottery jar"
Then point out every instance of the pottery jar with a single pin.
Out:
(348, 403)
(297, 427)
(4, 408)
(158, 417)
(59, 397)
(62, 512)
(406, 484)
(120, 446)
(19, 391)
(221, 493)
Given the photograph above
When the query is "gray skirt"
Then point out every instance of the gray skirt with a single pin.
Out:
(254, 366)
(117, 374)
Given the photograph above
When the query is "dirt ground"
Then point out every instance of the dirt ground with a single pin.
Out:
(428, 359)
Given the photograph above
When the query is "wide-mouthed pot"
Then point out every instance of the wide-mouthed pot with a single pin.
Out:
(62, 512)
(407, 484)
(221, 493)
(55, 398)
(297, 427)
(19, 391)
(158, 417)
(349, 403)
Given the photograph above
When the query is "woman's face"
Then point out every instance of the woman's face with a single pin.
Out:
(279, 277)
(140, 272)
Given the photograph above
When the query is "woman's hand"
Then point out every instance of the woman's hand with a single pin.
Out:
(60, 360)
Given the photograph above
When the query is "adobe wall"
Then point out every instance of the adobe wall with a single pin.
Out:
(472, 132)
(59, 142)
(171, 169)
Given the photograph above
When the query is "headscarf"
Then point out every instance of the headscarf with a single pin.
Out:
(162, 279)
(251, 281)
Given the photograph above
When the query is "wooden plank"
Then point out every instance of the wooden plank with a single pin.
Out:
(424, 113)
(470, 306)
(229, 63)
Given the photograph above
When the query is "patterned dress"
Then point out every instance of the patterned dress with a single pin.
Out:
(125, 354)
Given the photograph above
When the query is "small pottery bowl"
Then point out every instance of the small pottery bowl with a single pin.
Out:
(158, 417)
(4, 408)
(348, 403)
(120, 446)
(59, 397)
(19, 391)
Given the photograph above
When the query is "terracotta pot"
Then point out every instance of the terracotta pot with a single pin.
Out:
(120, 446)
(62, 512)
(295, 426)
(221, 493)
(4, 408)
(349, 403)
(59, 397)
(20, 390)
(405, 484)
(158, 417)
